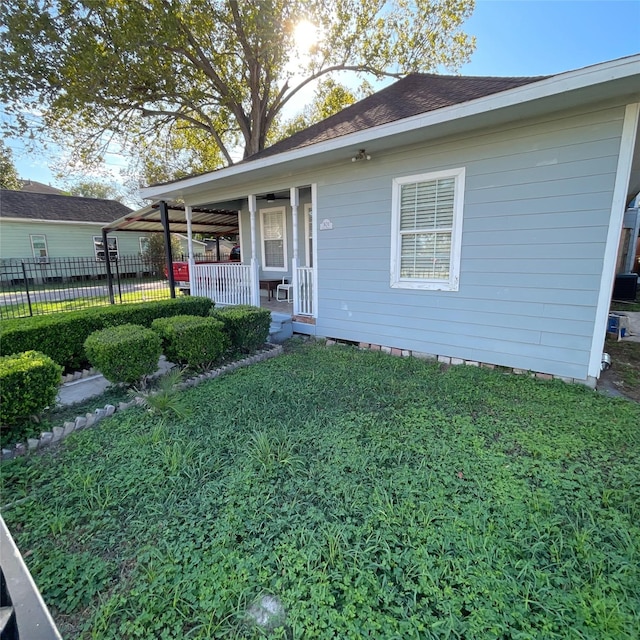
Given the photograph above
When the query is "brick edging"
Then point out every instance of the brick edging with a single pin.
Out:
(59, 433)
(448, 360)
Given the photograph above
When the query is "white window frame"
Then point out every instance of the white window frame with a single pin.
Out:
(143, 240)
(36, 255)
(97, 240)
(282, 211)
(453, 283)
(308, 234)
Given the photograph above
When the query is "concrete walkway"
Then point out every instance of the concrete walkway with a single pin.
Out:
(86, 388)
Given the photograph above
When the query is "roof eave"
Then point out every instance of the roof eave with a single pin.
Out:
(563, 83)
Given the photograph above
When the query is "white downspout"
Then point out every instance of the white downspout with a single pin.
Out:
(295, 201)
(255, 289)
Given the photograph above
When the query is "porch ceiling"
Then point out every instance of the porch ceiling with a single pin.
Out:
(206, 220)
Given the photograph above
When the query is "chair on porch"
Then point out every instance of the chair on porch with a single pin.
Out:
(286, 289)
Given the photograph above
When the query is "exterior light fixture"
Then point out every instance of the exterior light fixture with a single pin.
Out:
(361, 155)
(271, 197)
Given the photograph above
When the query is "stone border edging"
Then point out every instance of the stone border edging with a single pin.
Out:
(449, 360)
(58, 434)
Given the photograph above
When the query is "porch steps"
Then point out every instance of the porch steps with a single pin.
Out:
(281, 328)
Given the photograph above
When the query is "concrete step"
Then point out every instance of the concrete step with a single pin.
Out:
(281, 328)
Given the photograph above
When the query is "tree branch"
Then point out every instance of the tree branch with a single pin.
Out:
(183, 116)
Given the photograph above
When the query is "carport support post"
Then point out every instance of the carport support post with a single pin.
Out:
(107, 259)
(164, 217)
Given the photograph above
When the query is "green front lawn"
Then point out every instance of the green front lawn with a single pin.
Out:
(367, 495)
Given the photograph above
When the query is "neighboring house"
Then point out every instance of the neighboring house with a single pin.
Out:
(199, 247)
(44, 228)
(474, 219)
(31, 186)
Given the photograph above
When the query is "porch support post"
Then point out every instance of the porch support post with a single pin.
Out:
(295, 202)
(314, 236)
(255, 276)
(164, 217)
(192, 263)
(107, 265)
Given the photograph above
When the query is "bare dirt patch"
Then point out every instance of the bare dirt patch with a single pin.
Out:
(624, 374)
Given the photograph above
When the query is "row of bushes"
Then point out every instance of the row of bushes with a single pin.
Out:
(62, 336)
(129, 352)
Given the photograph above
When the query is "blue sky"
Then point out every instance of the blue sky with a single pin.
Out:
(514, 38)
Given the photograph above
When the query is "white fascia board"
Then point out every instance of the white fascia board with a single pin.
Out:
(42, 221)
(555, 85)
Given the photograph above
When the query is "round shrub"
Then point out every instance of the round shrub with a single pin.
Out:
(246, 326)
(126, 353)
(192, 340)
(29, 383)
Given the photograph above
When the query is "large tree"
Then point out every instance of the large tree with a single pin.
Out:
(208, 75)
(88, 188)
(8, 174)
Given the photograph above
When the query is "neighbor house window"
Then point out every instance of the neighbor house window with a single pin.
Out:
(427, 230)
(39, 246)
(274, 246)
(144, 245)
(98, 247)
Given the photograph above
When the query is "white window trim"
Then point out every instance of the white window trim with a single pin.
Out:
(46, 246)
(308, 234)
(140, 242)
(98, 239)
(282, 211)
(453, 283)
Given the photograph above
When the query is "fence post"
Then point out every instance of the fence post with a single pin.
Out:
(117, 263)
(26, 287)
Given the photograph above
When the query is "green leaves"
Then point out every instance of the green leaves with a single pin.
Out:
(372, 496)
(201, 76)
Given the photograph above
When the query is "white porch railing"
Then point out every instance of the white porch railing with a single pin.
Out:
(226, 284)
(304, 298)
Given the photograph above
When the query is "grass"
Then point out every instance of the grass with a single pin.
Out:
(21, 310)
(625, 306)
(354, 494)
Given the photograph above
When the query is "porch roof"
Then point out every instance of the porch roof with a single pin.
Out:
(206, 220)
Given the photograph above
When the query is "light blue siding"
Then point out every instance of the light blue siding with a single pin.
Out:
(64, 240)
(536, 213)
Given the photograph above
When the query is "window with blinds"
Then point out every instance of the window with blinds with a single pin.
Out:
(427, 222)
(273, 239)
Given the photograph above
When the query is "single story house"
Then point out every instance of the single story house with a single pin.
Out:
(474, 219)
(42, 226)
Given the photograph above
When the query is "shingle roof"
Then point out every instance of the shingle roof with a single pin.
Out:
(412, 95)
(39, 187)
(45, 206)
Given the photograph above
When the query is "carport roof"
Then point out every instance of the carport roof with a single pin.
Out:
(212, 222)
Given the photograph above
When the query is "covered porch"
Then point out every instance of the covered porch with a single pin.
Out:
(275, 232)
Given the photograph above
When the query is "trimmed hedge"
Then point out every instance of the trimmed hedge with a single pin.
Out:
(28, 384)
(126, 353)
(191, 340)
(246, 326)
(61, 336)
